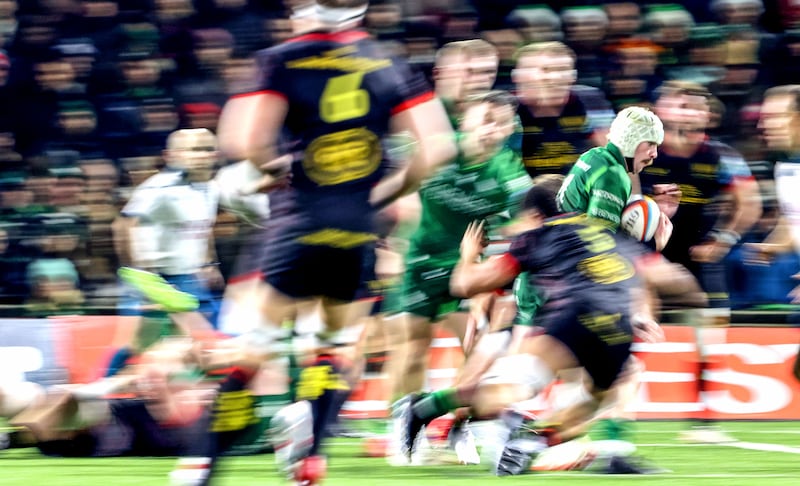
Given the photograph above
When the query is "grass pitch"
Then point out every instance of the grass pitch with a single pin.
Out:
(768, 454)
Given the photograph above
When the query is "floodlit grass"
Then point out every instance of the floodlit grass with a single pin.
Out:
(691, 465)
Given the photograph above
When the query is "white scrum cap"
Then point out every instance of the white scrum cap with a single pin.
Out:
(635, 125)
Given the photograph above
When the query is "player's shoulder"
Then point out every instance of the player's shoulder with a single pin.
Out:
(592, 159)
(719, 148)
(589, 96)
(321, 41)
(165, 178)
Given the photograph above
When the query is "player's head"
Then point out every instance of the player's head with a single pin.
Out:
(544, 73)
(487, 122)
(779, 121)
(330, 14)
(193, 150)
(637, 132)
(685, 109)
(540, 201)
(465, 68)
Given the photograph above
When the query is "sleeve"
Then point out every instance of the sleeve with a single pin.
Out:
(599, 112)
(143, 203)
(571, 196)
(516, 183)
(270, 75)
(411, 88)
(731, 167)
(523, 251)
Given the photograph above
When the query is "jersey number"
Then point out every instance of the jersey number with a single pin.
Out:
(343, 98)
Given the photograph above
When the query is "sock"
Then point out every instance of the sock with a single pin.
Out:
(231, 414)
(436, 404)
(339, 399)
(255, 438)
(319, 384)
(614, 429)
(118, 361)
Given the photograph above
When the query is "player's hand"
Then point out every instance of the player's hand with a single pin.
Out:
(212, 277)
(663, 232)
(668, 197)
(647, 329)
(473, 242)
(761, 253)
(275, 174)
(710, 252)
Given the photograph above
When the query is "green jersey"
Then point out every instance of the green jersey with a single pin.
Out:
(529, 300)
(598, 185)
(458, 194)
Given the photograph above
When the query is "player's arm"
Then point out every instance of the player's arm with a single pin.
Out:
(249, 127)
(121, 235)
(747, 205)
(747, 208)
(471, 277)
(251, 121)
(428, 124)
(777, 242)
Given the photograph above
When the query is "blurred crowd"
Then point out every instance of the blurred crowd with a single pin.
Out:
(91, 89)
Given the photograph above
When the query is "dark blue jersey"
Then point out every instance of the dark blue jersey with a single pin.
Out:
(342, 89)
(573, 258)
(551, 145)
(701, 178)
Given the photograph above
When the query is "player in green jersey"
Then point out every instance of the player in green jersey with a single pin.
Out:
(599, 183)
(487, 179)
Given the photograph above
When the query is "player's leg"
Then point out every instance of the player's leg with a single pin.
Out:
(710, 330)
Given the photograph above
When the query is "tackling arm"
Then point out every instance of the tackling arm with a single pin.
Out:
(471, 277)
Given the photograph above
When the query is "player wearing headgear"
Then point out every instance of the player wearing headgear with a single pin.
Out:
(598, 184)
(586, 317)
(333, 93)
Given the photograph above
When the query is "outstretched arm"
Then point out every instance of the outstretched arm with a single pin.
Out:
(471, 277)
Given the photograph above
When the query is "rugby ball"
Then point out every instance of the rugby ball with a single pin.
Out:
(640, 218)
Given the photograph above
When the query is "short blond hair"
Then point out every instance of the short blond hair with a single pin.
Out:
(553, 48)
(468, 48)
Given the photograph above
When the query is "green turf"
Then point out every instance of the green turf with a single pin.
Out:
(691, 465)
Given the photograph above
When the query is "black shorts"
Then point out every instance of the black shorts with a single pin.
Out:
(301, 271)
(599, 334)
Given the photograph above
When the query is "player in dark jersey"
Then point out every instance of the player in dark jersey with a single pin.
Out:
(705, 171)
(587, 275)
(333, 93)
(560, 120)
(779, 114)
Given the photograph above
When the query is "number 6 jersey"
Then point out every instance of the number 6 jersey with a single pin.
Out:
(342, 88)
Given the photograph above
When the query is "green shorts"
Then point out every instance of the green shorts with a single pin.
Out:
(425, 290)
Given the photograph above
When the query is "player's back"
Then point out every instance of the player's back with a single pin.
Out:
(576, 258)
(342, 89)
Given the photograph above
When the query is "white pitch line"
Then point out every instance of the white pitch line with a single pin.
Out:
(754, 446)
(665, 475)
(760, 446)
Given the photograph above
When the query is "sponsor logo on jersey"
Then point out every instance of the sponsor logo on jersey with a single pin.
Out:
(341, 157)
